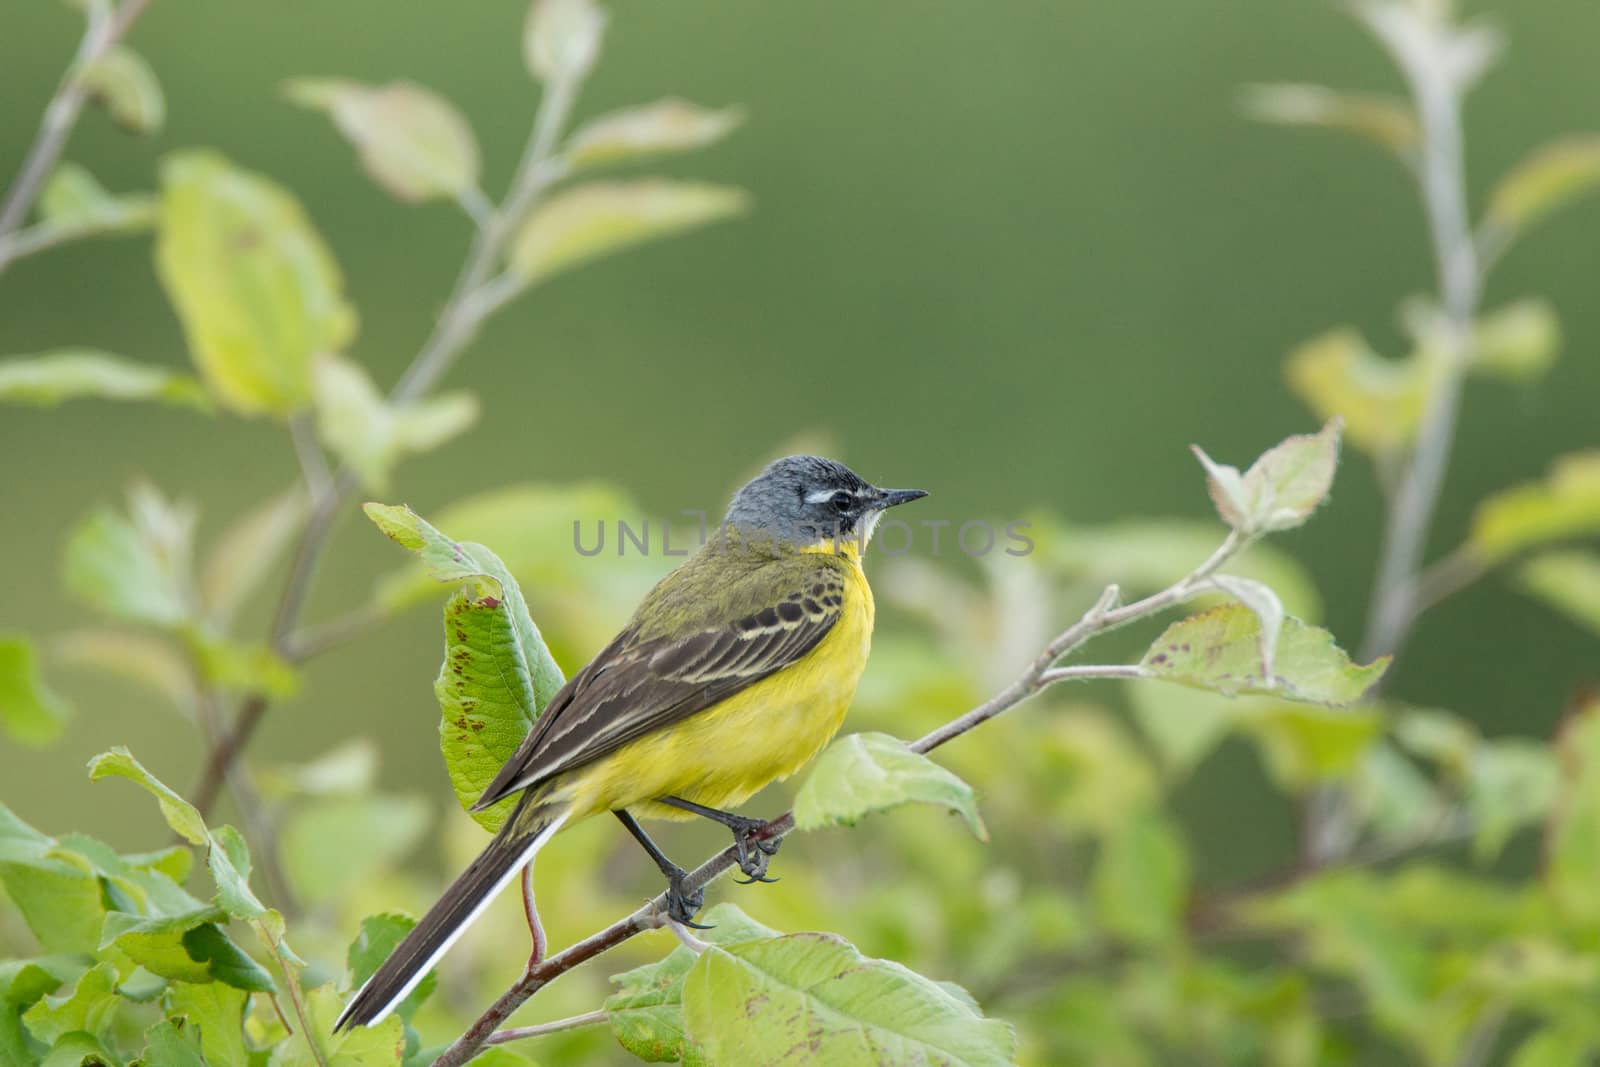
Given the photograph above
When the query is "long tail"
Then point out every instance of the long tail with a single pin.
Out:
(512, 849)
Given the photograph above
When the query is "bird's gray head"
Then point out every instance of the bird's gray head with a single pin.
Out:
(807, 501)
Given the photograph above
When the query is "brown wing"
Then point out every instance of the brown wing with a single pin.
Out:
(638, 685)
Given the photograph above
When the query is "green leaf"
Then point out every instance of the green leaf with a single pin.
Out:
(123, 83)
(136, 567)
(78, 1049)
(333, 844)
(562, 39)
(55, 888)
(1511, 783)
(532, 529)
(179, 813)
(147, 659)
(1141, 880)
(1518, 343)
(346, 769)
(1556, 1046)
(1305, 746)
(1220, 650)
(1386, 120)
(1565, 505)
(497, 674)
(30, 711)
(1567, 581)
(74, 202)
(599, 218)
(157, 942)
(46, 379)
(1267, 608)
(217, 1011)
(1549, 179)
(256, 289)
(646, 1011)
(170, 1043)
(1183, 724)
(379, 936)
(242, 668)
(1572, 844)
(1337, 375)
(229, 860)
(89, 1006)
(226, 961)
(1281, 489)
(371, 435)
(247, 550)
(669, 125)
(412, 141)
(756, 1002)
(864, 773)
(364, 1046)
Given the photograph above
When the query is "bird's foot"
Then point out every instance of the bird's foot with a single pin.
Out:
(683, 905)
(753, 850)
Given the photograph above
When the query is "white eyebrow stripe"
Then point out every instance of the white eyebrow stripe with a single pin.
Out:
(817, 496)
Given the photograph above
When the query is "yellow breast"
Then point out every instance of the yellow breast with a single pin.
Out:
(721, 756)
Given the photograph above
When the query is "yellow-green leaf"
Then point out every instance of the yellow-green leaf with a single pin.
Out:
(754, 1002)
(1282, 487)
(30, 711)
(1519, 342)
(669, 125)
(1546, 180)
(46, 379)
(1387, 120)
(597, 219)
(1220, 650)
(1568, 582)
(412, 141)
(134, 567)
(1563, 506)
(370, 434)
(122, 82)
(181, 815)
(256, 289)
(562, 39)
(73, 200)
(1572, 847)
(1380, 400)
(497, 674)
(247, 550)
(864, 773)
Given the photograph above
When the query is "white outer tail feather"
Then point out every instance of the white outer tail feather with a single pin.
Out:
(472, 917)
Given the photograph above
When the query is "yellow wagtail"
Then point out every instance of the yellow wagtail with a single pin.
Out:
(735, 670)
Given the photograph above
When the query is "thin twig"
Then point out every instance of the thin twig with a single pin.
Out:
(1103, 616)
(576, 1022)
(61, 114)
(464, 312)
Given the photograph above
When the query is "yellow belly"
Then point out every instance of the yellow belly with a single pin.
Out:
(721, 756)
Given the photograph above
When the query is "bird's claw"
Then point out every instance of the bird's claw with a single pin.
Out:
(682, 905)
(754, 852)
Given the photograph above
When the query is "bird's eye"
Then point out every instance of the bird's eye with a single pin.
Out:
(842, 501)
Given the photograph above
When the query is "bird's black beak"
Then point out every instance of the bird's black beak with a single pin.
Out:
(891, 497)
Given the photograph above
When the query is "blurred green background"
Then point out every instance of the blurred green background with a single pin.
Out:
(1017, 253)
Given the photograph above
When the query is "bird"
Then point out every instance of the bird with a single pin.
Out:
(734, 671)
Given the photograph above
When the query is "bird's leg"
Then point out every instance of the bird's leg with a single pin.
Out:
(681, 904)
(754, 851)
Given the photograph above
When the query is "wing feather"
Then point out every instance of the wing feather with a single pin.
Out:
(639, 684)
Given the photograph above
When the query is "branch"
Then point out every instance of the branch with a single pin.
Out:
(464, 312)
(1441, 175)
(1397, 596)
(1104, 616)
(60, 116)
(576, 1022)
